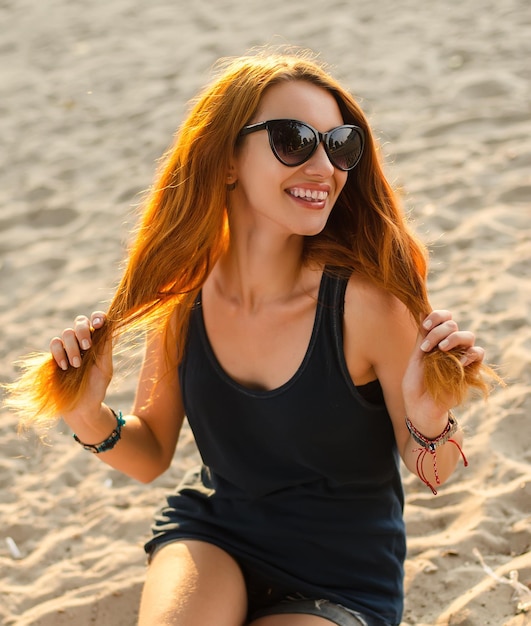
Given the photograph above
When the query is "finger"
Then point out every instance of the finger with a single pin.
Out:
(58, 353)
(71, 347)
(97, 319)
(439, 334)
(82, 331)
(435, 318)
(460, 339)
(473, 355)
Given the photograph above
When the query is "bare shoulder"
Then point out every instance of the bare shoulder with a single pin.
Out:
(377, 328)
(372, 304)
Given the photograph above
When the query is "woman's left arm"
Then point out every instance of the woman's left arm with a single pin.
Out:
(430, 420)
(396, 350)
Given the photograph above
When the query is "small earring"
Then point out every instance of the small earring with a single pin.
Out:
(232, 186)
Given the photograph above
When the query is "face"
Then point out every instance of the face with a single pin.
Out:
(289, 200)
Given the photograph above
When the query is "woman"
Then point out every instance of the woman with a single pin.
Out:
(285, 302)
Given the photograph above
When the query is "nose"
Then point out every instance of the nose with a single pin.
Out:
(319, 163)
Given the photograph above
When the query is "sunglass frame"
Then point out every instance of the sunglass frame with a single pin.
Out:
(318, 138)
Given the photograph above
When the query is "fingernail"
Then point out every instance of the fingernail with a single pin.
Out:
(76, 361)
(444, 343)
(425, 346)
(96, 321)
(463, 360)
(85, 344)
(427, 324)
(63, 365)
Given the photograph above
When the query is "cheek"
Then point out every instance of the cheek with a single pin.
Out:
(255, 188)
(259, 171)
(341, 180)
(254, 156)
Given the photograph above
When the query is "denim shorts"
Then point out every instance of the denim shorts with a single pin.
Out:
(266, 598)
(335, 613)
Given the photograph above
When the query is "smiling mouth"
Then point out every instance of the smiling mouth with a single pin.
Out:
(311, 195)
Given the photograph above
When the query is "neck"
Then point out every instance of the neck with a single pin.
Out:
(258, 270)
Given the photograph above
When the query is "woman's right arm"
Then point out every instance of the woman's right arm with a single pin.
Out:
(149, 437)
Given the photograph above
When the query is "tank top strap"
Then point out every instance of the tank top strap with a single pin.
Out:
(334, 310)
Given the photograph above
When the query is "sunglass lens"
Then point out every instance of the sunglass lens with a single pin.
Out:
(293, 142)
(345, 147)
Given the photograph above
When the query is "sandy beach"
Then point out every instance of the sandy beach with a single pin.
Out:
(91, 94)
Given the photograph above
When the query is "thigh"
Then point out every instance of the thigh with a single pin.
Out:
(193, 582)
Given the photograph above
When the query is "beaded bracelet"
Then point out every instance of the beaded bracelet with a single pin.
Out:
(111, 440)
(429, 446)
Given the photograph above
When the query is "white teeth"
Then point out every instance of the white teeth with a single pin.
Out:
(310, 194)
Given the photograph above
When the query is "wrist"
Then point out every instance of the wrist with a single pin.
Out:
(92, 426)
(425, 446)
(432, 443)
(430, 427)
(110, 441)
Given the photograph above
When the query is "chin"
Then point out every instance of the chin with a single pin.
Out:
(310, 230)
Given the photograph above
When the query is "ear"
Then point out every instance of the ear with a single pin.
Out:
(232, 178)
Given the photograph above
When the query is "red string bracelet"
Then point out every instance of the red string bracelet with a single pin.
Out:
(429, 446)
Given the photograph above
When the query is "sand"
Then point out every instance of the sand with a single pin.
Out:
(91, 94)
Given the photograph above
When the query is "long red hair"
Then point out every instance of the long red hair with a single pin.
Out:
(184, 229)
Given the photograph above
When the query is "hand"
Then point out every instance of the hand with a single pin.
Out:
(443, 333)
(69, 349)
(439, 332)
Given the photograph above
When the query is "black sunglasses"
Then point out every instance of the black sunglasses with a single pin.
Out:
(294, 142)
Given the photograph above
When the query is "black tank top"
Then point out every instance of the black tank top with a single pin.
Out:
(302, 482)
